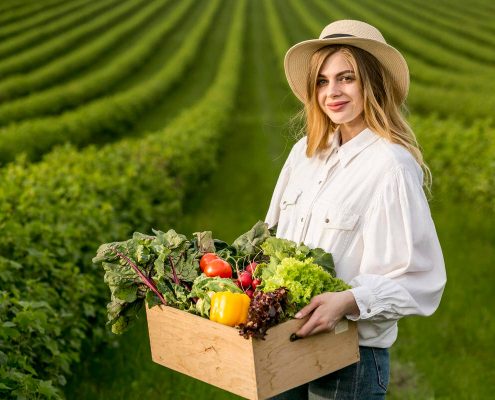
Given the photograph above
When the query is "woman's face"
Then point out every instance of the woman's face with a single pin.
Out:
(339, 94)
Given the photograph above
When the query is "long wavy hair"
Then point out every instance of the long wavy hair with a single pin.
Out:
(383, 111)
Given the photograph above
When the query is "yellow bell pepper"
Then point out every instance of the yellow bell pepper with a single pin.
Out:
(229, 308)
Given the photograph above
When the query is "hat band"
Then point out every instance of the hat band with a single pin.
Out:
(336, 35)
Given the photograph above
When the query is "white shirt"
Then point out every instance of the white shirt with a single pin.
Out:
(364, 203)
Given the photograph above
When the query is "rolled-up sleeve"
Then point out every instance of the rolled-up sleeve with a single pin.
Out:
(402, 270)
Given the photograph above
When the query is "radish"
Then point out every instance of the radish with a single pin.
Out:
(255, 283)
(245, 278)
(251, 267)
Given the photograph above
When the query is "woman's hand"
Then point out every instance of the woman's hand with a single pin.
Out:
(327, 310)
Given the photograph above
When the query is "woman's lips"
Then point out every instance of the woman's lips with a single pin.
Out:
(337, 106)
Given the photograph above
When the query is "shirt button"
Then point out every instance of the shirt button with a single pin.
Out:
(319, 182)
(284, 202)
(368, 310)
(302, 219)
(327, 220)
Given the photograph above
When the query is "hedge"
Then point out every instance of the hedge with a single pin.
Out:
(56, 213)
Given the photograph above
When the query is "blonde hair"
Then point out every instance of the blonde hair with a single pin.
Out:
(383, 112)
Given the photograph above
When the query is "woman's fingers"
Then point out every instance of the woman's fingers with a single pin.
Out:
(312, 324)
(314, 303)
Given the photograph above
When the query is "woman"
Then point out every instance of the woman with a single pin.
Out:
(354, 187)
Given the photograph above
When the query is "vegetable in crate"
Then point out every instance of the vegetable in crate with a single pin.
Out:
(203, 289)
(265, 311)
(160, 268)
(304, 272)
(279, 274)
(229, 308)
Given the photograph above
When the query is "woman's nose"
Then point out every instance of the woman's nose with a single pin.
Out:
(333, 89)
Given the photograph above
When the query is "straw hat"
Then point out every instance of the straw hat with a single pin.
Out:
(354, 33)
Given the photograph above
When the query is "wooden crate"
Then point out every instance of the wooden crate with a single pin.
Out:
(253, 368)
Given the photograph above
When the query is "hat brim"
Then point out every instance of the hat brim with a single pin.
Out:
(298, 57)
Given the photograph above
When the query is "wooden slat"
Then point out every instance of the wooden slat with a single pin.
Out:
(282, 365)
(255, 369)
(205, 350)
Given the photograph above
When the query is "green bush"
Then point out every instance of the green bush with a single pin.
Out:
(55, 213)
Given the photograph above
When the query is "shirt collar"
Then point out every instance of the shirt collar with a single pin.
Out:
(353, 147)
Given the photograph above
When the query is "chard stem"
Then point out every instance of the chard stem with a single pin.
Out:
(146, 281)
(176, 279)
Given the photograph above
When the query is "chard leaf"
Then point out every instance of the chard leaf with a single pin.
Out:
(205, 242)
(220, 245)
(324, 259)
(105, 253)
(152, 299)
(126, 293)
(249, 242)
(170, 239)
(143, 254)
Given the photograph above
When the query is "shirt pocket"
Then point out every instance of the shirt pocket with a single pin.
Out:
(340, 220)
(289, 198)
(334, 228)
(287, 225)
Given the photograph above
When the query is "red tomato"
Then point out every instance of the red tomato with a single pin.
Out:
(218, 267)
(207, 257)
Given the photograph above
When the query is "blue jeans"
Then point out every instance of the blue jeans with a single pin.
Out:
(366, 379)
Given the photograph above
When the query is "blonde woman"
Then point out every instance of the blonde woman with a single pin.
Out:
(354, 186)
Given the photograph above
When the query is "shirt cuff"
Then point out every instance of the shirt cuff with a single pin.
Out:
(364, 299)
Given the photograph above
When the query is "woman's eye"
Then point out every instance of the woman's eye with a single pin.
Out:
(321, 82)
(347, 78)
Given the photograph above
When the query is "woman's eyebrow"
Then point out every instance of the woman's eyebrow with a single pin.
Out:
(347, 71)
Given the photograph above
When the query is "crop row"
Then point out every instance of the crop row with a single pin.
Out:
(70, 92)
(44, 52)
(446, 23)
(466, 108)
(64, 206)
(35, 35)
(412, 43)
(279, 40)
(462, 159)
(68, 65)
(452, 42)
(479, 14)
(20, 11)
(59, 98)
(106, 118)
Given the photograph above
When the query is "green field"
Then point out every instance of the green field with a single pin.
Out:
(125, 116)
